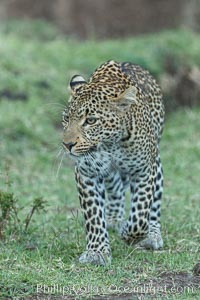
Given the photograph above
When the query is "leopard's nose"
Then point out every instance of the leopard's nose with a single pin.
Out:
(69, 145)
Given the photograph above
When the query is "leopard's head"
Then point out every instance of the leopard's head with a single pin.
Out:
(97, 109)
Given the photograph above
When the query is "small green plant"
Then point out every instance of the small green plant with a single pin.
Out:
(8, 210)
(38, 205)
(9, 213)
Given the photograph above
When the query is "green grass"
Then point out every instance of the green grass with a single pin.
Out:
(37, 61)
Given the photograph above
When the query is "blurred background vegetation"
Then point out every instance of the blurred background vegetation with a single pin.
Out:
(162, 36)
(42, 44)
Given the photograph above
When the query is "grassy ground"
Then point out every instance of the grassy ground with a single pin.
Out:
(35, 65)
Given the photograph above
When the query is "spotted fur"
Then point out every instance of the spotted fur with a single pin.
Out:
(112, 128)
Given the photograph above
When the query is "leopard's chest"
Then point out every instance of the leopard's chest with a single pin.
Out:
(107, 159)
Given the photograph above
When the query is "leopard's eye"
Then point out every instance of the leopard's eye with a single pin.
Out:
(90, 121)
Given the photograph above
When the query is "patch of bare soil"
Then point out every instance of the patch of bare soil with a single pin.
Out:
(169, 283)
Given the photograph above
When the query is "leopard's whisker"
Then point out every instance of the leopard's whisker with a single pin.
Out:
(58, 158)
(60, 164)
(59, 152)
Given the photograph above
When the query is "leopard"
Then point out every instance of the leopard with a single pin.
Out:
(112, 126)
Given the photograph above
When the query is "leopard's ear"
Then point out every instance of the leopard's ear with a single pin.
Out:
(76, 82)
(126, 99)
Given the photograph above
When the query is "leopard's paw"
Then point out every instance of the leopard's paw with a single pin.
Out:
(154, 241)
(95, 258)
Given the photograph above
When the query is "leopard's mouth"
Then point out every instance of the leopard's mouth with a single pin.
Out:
(76, 154)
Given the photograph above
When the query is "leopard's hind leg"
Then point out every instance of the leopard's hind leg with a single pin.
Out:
(115, 189)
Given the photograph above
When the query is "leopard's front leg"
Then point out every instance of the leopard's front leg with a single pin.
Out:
(92, 200)
(142, 186)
